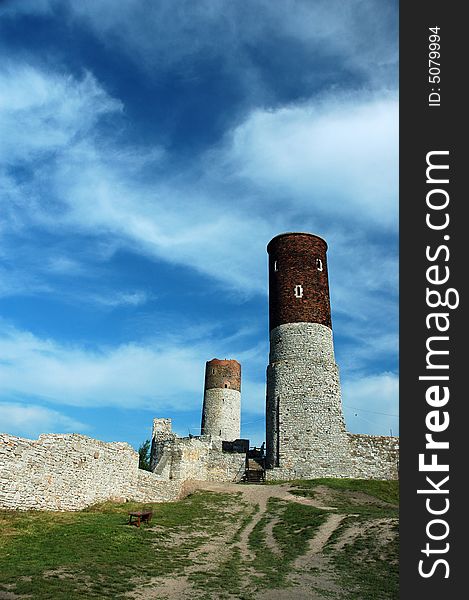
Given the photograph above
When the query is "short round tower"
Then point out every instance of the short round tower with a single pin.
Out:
(221, 413)
(305, 429)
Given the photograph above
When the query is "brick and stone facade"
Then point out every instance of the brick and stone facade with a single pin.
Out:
(305, 429)
(221, 412)
(298, 280)
(306, 435)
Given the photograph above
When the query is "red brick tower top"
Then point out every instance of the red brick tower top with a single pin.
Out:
(298, 280)
(223, 374)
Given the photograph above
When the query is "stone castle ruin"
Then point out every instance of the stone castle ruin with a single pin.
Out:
(221, 412)
(305, 429)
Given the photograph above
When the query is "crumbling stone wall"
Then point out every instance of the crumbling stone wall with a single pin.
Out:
(203, 459)
(161, 434)
(374, 456)
(198, 458)
(370, 457)
(71, 471)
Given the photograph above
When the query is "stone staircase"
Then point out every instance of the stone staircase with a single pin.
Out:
(255, 471)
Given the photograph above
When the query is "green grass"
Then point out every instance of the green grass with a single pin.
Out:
(383, 496)
(367, 567)
(384, 490)
(224, 578)
(94, 554)
(244, 523)
(295, 525)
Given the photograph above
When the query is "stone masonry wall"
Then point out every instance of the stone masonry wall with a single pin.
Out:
(222, 413)
(371, 457)
(161, 434)
(71, 471)
(202, 459)
(306, 435)
(374, 456)
(198, 458)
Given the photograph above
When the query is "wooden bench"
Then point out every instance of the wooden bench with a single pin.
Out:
(140, 516)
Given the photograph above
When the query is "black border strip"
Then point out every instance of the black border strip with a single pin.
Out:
(432, 124)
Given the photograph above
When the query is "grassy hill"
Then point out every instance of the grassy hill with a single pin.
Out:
(310, 539)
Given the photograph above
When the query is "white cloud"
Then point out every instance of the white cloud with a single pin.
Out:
(161, 375)
(336, 157)
(135, 298)
(172, 224)
(64, 265)
(29, 420)
(43, 112)
(328, 167)
(128, 375)
(302, 154)
(371, 403)
(18, 282)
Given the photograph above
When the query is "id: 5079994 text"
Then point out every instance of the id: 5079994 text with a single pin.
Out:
(434, 71)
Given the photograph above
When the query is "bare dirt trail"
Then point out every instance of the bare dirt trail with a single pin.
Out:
(257, 493)
(256, 497)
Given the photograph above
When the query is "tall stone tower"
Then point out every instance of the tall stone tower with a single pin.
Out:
(305, 429)
(221, 413)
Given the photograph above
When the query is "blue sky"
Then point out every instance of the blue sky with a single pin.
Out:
(148, 153)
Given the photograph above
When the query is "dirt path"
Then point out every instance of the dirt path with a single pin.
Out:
(214, 551)
(312, 575)
(323, 534)
(310, 571)
(257, 494)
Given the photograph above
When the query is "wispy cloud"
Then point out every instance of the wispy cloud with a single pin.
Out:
(128, 375)
(44, 112)
(322, 158)
(135, 298)
(163, 374)
(331, 162)
(328, 166)
(20, 282)
(64, 265)
(30, 420)
(336, 156)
